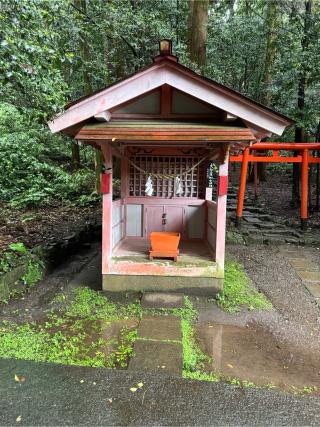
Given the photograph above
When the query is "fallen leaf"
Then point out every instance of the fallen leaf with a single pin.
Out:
(82, 381)
(140, 385)
(229, 365)
(133, 389)
(18, 419)
(109, 400)
(19, 379)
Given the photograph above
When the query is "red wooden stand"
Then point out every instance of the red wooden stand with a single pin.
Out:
(164, 245)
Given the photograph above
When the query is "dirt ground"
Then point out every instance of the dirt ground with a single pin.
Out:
(296, 316)
(43, 225)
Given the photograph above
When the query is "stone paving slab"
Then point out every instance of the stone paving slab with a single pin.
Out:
(313, 288)
(290, 251)
(303, 264)
(162, 300)
(309, 276)
(308, 271)
(160, 328)
(157, 355)
(252, 220)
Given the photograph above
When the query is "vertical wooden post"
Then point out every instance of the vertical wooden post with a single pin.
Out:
(255, 180)
(221, 213)
(304, 189)
(124, 191)
(242, 185)
(107, 213)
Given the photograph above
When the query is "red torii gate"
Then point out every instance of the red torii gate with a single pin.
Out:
(304, 158)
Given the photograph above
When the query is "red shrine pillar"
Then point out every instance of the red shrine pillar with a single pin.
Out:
(107, 212)
(222, 212)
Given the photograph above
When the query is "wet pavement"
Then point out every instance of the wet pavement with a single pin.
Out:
(54, 395)
(252, 354)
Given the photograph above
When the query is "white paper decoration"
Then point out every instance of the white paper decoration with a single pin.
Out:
(149, 187)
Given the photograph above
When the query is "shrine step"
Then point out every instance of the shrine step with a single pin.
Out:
(162, 300)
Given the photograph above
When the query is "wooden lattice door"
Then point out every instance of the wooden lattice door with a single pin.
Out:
(163, 186)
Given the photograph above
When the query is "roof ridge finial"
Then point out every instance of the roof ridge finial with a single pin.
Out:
(165, 47)
(165, 51)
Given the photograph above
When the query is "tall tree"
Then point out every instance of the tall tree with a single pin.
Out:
(199, 31)
(272, 22)
(81, 6)
(302, 81)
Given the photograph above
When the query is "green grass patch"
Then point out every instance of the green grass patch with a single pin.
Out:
(238, 292)
(188, 312)
(75, 335)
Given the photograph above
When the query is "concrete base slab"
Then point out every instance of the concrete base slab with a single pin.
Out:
(153, 355)
(209, 286)
(160, 328)
(162, 300)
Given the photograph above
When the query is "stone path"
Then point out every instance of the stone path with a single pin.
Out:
(257, 226)
(159, 342)
(307, 270)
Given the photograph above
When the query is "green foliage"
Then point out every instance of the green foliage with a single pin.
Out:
(202, 376)
(238, 291)
(32, 55)
(124, 350)
(10, 257)
(34, 273)
(30, 175)
(18, 247)
(86, 303)
(17, 254)
(193, 357)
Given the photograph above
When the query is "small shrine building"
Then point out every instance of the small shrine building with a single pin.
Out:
(164, 128)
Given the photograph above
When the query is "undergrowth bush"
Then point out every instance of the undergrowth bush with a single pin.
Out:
(34, 164)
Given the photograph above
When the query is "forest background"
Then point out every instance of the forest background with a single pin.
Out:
(52, 52)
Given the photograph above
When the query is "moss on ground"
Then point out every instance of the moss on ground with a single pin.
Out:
(74, 335)
(238, 292)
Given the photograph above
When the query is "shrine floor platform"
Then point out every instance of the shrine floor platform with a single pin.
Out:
(131, 269)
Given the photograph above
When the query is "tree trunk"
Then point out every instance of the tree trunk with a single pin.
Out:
(98, 165)
(271, 49)
(199, 32)
(299, 131)
(189, 23)
(272, 23)
(75, 156)
(85, 58)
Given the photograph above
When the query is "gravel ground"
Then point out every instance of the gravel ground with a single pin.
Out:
(296, 317)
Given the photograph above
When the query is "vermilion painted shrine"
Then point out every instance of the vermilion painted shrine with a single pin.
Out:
(166, 124)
